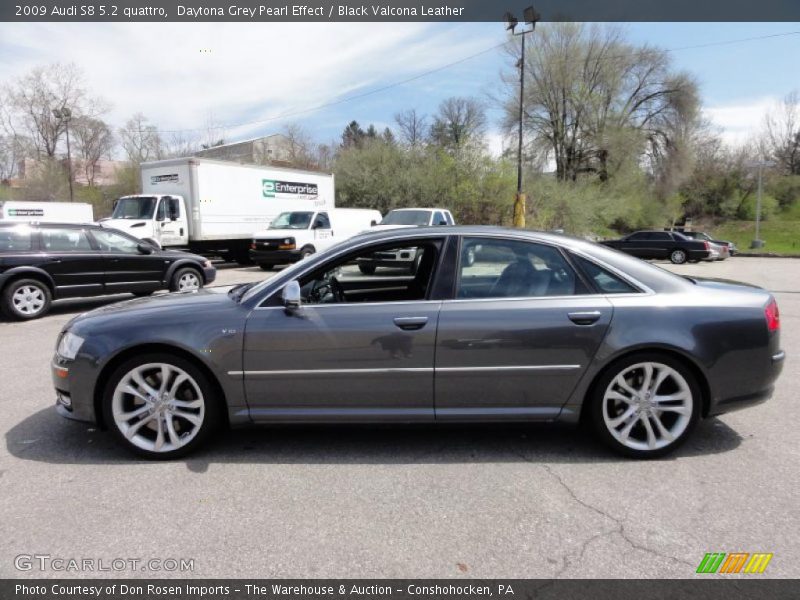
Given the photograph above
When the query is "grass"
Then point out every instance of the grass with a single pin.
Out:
(780, 234)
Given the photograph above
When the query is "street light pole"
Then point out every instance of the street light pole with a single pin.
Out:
(65, 115)
(531, 18)
(760, 165)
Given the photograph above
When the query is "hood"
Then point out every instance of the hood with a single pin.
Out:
(176, 307)
(270, 234)
(136, 227)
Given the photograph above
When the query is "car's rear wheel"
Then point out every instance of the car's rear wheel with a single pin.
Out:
(26, 299)
(678, 257)
(160, 406)
(186, 280)
(646, 405)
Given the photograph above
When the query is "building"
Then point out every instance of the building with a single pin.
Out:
(275, 148)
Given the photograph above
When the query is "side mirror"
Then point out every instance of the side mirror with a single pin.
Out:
(291, 295)
(144, 248)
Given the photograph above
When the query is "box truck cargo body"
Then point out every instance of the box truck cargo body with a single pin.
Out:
(212, 206)
(46, 212)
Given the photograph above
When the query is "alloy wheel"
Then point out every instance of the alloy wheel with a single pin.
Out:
(29, 300)
(158, 407)
(188, 282)
(647, 406)
(678, 257)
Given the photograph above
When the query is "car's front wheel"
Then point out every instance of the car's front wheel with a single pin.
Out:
(160, 406)
(646, 405)
(26, 299)
(186, 280)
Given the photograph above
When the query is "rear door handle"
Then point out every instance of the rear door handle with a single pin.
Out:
(585, 318)
(410, 323)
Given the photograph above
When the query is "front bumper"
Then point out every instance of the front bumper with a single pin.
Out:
(73, 400)
(210, 274)
(274, 257)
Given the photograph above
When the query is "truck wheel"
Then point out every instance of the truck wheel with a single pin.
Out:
(186, 280)
(367, 269)
(266, 266)
(306, 252)
(26, 299)
(678, 257)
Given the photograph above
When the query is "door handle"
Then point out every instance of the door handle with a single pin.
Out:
(585, 318)
(410, 323)
(54, 260)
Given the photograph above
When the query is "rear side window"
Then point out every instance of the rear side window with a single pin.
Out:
(65, 240)
(15, 239)
(606, 282)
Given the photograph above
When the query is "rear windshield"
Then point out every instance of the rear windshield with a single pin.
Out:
(15, 239)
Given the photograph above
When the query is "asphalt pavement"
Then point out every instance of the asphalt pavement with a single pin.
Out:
(462, 502)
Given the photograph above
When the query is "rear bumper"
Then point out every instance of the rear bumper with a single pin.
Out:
(274, 257)
(767, 387)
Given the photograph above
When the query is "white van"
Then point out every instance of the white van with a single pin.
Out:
(297, 234)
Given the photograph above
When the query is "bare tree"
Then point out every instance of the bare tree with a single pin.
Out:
(93, 142)
(413, 127)
(781, 139)
(594, 102)
(300, 147)
(34, 97)
(141, 140)
(460, 122)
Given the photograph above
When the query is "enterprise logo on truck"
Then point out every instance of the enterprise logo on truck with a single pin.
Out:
(271, 188)
(171, 178)
(25, 212)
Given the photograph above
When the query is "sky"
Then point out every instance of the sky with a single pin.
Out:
(254, 78)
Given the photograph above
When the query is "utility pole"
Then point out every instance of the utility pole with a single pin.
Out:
(531, 17)
(760, 165)
(64, 115)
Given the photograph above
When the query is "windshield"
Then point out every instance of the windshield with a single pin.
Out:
(407, 217)
(140, 207)
(292, 220)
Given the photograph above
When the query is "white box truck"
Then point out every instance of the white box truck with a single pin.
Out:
(46, 212)
(297, 234)
(212, 206)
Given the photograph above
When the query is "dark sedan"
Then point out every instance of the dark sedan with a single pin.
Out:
(533, 327)
(662, 245)
(43, 262)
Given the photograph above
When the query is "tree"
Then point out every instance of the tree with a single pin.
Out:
(34, 97)
(140, 140)
(93, 141)
(781, 137)
(595, 103)
(460, 122)
(353, 135)
(300, 146)
(413, 127)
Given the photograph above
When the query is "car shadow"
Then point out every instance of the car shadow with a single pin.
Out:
(47, 437)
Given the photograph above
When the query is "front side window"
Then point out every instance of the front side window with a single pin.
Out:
(497, 268)
(161, 213)
(377, 274)
(15, 239)
(65, 240)
(111, 241)
(322, 222)
(292, 220)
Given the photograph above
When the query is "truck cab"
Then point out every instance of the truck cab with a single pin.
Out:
(158, 219)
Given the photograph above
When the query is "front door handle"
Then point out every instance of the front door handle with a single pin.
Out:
(585, 318)
(410, 323)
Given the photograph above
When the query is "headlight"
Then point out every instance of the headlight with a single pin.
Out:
(206, 264)
(69, 345)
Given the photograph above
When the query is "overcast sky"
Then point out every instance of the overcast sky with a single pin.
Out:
(246, 75)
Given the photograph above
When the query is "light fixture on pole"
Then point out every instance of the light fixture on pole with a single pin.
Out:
(531, 17)
(760, 165)
(64, 115)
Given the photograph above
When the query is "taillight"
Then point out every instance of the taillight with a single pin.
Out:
(707, 245)
(772, 315)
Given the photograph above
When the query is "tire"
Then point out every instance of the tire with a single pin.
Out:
(186, 279)
(678, 256)
(151, 425)
(623, 425)
(26, 299)
(266, 266)
(306, 251)
(367, 269)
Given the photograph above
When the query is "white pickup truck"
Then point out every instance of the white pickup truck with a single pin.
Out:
(404, 258)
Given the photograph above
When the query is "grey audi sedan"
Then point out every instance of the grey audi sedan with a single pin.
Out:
(491, 324)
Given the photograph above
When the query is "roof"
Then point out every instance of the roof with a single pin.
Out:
(418, 208)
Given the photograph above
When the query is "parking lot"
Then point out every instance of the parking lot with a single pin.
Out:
(467, 501)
